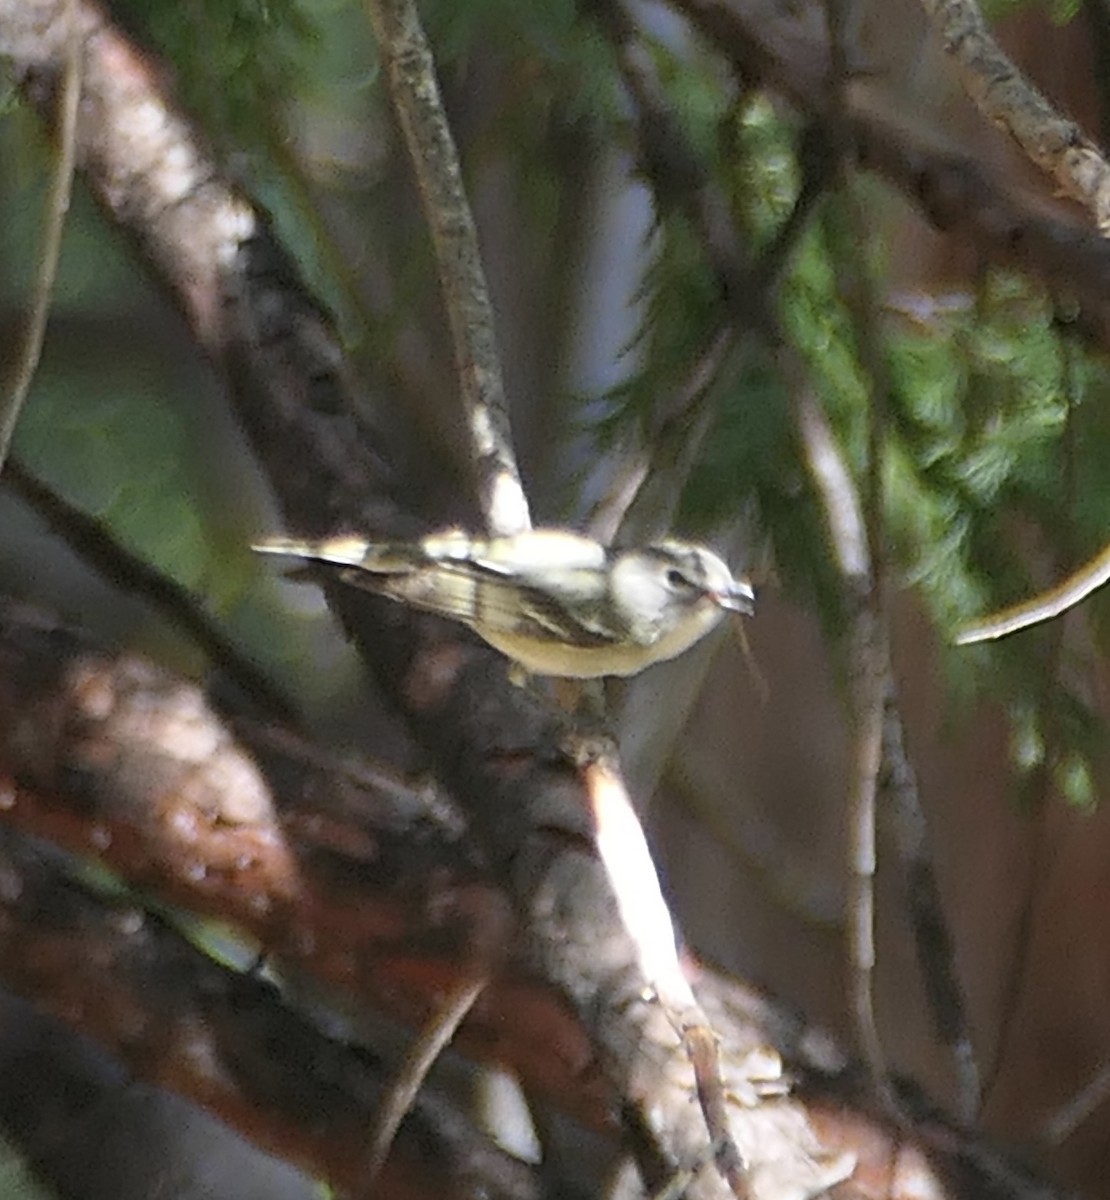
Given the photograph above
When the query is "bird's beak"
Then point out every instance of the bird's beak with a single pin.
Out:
(739, 598)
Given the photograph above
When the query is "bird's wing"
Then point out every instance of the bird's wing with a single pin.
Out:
(567, 607)
(553, 617)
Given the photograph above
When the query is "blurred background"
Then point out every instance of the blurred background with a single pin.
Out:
(608, 299)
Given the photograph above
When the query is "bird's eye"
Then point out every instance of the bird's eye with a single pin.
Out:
(678, 581)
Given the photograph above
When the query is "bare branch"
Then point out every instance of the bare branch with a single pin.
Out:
(883, 734)
(785, 47)
(132, 767)
(401, 1094)
(936, 952)
(878, 744)
(869, 668)
(410, 71)
(123, 762)
(1007, 99)
(1044, 606)
(115, 745)
(1068, 1117)
(95, 544)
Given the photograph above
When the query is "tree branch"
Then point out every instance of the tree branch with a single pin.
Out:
(786, 48)
(96, 546)
(1007, 99)
(226, 1040)
(344, 875)
(491, 742)
(410, 72)
(123, 762)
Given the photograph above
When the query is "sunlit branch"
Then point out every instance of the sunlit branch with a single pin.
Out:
(1042, 607)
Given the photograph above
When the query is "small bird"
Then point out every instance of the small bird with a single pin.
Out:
(555, 602)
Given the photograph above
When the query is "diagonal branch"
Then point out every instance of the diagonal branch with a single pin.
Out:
(120, 761)
(1007, 99)
(95, 544)
(785, 47)
(885, 738)
(410, 72)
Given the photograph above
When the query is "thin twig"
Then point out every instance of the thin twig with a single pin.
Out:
(932, 937)
(881, 760)
(868, 644)
(398, 1099)
(1007, 99)
(703, 1051)
(410, 70)
(878, 715)
(848, 530)
(1042, 607)
(57, 206)
(1068, 1117)
(97, 547)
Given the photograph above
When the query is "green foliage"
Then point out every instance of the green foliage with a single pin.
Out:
(106, 427)
(255, 73)
(759, 168)
(1060, 12)
(124, 454)
(752, 464)
(237, 61)
(978, 409)
(681, 292)
(993, 434)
